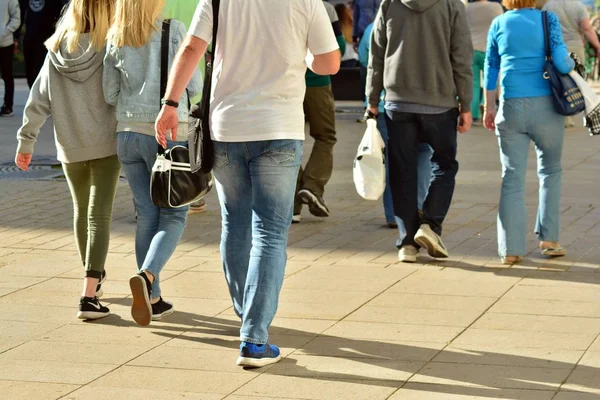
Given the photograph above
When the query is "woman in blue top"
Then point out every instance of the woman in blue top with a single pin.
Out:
(516, 52)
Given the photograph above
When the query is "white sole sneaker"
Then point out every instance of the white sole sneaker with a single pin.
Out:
(296, 219)
(141, 309)
(408, 254)
(429, 240)
(89, 315)
(257, 362)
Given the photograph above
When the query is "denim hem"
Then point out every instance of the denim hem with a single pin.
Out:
(253, 341)
(93, 274)
(541, 238)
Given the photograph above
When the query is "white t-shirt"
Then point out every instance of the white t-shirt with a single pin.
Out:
(258, 79)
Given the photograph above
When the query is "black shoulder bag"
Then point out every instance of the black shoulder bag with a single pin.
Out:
(567, 97)
(200, 142)
(172, 183)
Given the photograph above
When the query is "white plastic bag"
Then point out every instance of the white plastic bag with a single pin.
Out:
(369, 164)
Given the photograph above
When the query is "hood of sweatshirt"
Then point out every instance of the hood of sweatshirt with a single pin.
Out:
(79, 65)
(420, 5)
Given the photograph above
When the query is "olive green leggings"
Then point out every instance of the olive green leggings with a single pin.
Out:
(93, 186)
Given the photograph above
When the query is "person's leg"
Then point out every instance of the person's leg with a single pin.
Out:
(130, 151)
(138, 177)
(478, 61)
(388, 203)
(514, 142)
(440, 134)
(104, 174)
(320, 111)
(6, 69)
(78, 177)
(235, 196)
(547, 132)
(424, 172)
(403, 140)
(170, 224)
(39, 58)
(273, 167)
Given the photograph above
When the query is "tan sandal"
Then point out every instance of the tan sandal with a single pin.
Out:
(550, 249)
(511, 260)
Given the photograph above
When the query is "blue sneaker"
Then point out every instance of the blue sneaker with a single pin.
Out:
(256, 356)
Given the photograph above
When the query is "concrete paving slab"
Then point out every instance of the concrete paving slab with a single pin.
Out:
(422, 391)
(19, 390)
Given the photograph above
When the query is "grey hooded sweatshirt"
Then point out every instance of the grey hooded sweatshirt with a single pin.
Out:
(421, 53)
(69, 88)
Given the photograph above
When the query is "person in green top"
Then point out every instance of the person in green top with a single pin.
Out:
(319, 108)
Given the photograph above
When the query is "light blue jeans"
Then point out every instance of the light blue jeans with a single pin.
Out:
(424, 173)
(256, 183)
(519, 122)
(158, 229)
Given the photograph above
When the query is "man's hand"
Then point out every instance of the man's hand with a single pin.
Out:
(489, 118)
(373, 110)
(465, 121)
(23, 160)
(167, 120)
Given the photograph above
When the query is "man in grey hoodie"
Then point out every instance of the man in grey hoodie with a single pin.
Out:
(421, 55)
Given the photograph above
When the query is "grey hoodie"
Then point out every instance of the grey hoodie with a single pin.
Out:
(69, 88)
(421, 53)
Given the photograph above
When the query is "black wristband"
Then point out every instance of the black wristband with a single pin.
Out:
(170, 103)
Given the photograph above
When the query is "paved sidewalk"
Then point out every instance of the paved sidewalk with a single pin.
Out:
(352, 323)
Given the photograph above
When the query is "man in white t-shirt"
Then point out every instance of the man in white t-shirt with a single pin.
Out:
(257, 124)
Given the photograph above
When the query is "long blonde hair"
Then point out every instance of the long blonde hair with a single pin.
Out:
(134, 22)
(82, 16)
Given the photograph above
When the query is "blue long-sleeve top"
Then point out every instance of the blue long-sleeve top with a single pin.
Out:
(364, 14)
(516, 52)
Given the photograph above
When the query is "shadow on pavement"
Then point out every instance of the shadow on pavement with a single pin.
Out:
(489, 373)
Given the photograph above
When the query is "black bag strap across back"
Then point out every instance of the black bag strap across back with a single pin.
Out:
(546, 35)
(210, 58)
(164, 64)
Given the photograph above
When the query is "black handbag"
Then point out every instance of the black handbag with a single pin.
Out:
(567, 97)
(200, 142)
(173, 184)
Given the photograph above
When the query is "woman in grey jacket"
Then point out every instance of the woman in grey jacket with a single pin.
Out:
(69, 87)
(132, 83)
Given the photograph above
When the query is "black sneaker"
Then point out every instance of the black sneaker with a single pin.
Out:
(162, 309)
(316, 204)
(141, 289)
(90, 308)
(99, 291)
(6, 111)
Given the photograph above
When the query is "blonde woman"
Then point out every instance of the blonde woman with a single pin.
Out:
(132, 83)
(69, 87)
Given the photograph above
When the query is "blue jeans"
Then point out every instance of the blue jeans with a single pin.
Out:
(519, 122)
(256, 183)
(424, 173)
(406, 132)
(158, 229)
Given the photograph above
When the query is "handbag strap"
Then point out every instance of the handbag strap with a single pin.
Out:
(209, 63)
(164, 64)
(546, 35)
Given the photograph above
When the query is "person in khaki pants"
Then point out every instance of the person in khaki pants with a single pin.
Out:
(319, 109)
